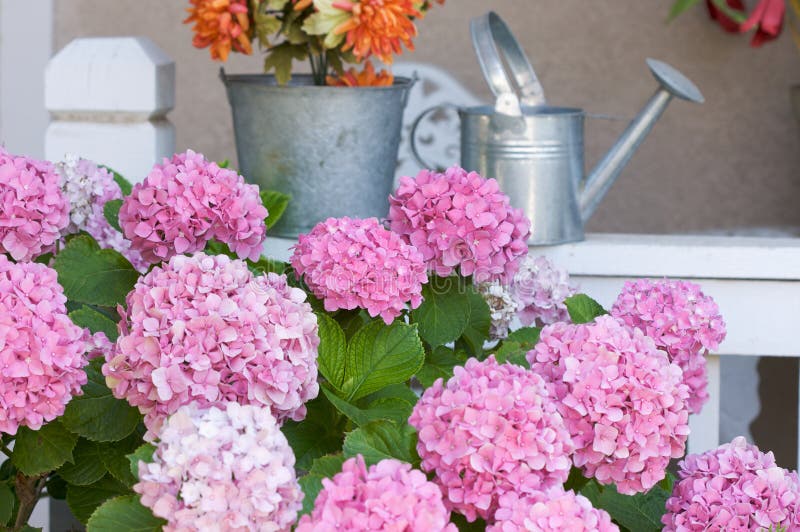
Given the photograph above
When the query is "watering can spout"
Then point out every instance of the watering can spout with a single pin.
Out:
(672, 83)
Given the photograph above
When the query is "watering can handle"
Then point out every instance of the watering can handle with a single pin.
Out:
(491, 37)
(415, 126)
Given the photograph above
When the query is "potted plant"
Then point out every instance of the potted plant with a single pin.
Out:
(329, 138)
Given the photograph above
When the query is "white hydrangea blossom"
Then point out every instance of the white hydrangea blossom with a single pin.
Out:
(503, 306)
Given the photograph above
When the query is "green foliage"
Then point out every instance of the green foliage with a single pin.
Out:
(516, 346)
(123, 513)
(320, 433)
(279, 58)
(637, 513)
(679, 6)
(6, 503)
(478, 525)
(111, 212)
(95, 322)
(114, 456)
(439, 363)
(83, 500)
(143, 453)
(387, 408)
(94, 276)
(383, 439)
(276, 203)
(86, 466)
(393, 391)
(265, 265)
(97, 415)
(444, 313)
(379, 355)
(332, 350)
(43, 450)
(480, 320)
(583, 309)
(311, 484)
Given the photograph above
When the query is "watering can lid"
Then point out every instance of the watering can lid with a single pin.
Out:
(491, 37)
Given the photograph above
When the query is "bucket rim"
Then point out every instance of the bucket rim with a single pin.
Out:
(305, 81)
(527, 111)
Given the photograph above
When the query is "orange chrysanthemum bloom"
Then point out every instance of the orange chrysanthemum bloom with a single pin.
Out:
(222, 25)
(300, 5)
(377, 27)
(365, 78)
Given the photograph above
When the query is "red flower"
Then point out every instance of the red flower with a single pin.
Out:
(767, 17)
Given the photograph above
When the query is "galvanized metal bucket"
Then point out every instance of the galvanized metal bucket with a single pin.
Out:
(333, 149)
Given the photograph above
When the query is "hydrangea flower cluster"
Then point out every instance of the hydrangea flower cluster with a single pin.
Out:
(204, 329)
(33, 210)
(733, 487)
(459, 220)
(88, 187)
(491, 429)
(387, 496)
(227, 468)
(503, 307)
(350, 263)
(187, 201)
(541, 288)
(41, 350)
(622, 401)
(682, 320)
(554, 510)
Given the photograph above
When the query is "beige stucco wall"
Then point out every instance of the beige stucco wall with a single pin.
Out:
(732, 162)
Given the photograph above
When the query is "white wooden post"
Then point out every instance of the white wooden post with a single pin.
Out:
(108, 99)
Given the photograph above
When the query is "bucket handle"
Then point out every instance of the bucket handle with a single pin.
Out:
(491, 37)
(415, 126)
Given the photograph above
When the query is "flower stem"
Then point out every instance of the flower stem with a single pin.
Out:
(28, 490)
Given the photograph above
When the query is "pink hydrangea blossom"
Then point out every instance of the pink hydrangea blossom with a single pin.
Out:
(41, 350)
(733, 487)
(88, 187)
(459, 220)
(33, 210)
(553, 510)
(541, 288)
(682, 320)
(227, 468)
(187, 201)
(491, 429)
(388, 496)
(350, 263)
(622, 401)
(204, 329)
(503, 307)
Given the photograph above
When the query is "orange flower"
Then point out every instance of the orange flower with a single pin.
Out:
(300, 5)
(365, 78)
(377, 27)
(222, 25)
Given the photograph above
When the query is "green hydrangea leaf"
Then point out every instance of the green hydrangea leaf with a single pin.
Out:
(94, 276)
(318, 434)
(583, 309)
(111, 212)
(115, 457)
(476, 332)
(444, 313)
(311, 484)
(43, 450)
(124, 513)
(95, 322)
(379, 355)
(386, 408)
(83, 500)
(124, 185)
(383, 439)
(439, 363)
(86, 466)
(97, 415)
(6, 503)
(641, 512)
(276, 203)
(143, 453)
(332, 352)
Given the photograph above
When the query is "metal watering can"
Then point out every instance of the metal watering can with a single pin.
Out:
(535, 151)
